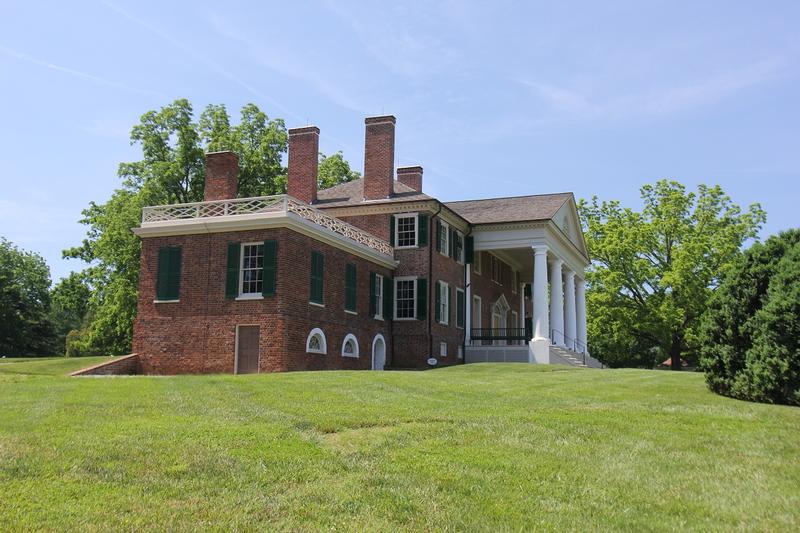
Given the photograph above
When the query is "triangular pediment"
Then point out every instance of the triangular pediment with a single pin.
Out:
(568, 221)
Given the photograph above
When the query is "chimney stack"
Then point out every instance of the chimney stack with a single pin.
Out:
(379, 157)
(303, 163)
(410, 176)
(222, 176)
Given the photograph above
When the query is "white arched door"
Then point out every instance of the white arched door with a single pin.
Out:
(378, 352)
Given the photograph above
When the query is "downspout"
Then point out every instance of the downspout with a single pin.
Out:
(466, 303)
(431, 312)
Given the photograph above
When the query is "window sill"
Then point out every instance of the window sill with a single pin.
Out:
(378, 317)
(315, 304)
(406, 247)
(165, 301)
(317, 352)
(349, 312)
(352, 355)
(406, 319)
(249, 297)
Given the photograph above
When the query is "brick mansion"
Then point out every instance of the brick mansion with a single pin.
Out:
(369, 274)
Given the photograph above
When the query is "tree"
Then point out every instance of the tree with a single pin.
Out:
(334, 170)
(171, 170)
(653, 271)
(24, 302)
(69, 305)
(751, 332)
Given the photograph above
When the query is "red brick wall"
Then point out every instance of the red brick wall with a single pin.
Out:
(379, 157)
(490, 291)
(197, 334)
(222, 176)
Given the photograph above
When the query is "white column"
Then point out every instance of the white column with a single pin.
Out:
(570, 325)
(540, 320)
(468, 307)
(581, 316)
(521, 290)
(557, 302)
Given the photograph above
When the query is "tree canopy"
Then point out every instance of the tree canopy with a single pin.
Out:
(751, 333)
(654, 270)
(171, 170)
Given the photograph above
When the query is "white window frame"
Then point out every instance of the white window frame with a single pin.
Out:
(323, 348)
(250, 295)
(397, 280)
(445, 238)
(397, 218)
(492, 259)
(378, 296)
(465, 306)
(350, 337)
(444, 303)
(443, 349)
(476, 257)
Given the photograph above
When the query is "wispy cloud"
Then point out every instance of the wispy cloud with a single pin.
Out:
(213, 65)
(74, 72)
(652, 102)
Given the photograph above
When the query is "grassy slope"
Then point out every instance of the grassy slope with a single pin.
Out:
(480, 447)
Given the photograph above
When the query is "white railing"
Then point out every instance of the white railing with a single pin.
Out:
(281, 203)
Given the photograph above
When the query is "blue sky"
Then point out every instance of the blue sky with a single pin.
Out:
(493, 99)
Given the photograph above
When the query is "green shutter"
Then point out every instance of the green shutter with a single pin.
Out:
(451, 242)
(422, 298)
(469, 249)
(391, 230)
(168, 279)
(317, 272)
(350, 287)
(388, 294)
(269, 275)
(422, 234)
(437, 313)
(438, 226)
(232, 274)
(373, 298)
(460, 297)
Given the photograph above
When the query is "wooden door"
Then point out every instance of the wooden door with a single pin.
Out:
(247, 349)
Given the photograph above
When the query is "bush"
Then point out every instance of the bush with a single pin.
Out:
(751, 332)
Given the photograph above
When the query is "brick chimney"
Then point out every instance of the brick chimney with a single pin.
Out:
(222, 176)
(410, 176)
(379, 157)
(303, 163)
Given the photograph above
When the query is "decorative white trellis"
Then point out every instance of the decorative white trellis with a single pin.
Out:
(262, 204)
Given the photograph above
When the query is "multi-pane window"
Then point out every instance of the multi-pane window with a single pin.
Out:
(515, 282)
(497, 270)
(476, 265)
(405, 298)
(252, 269)
(444, 303)
(378, 291)
(442, 239)
(442, 349)
(406, 227)
(458, 246)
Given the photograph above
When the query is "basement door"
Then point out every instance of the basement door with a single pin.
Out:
(247, 349)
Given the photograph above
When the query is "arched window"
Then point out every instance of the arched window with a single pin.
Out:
(350, 346)
(315, 343)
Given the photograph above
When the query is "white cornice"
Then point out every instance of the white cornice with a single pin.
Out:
(264, 221)
(446, 213)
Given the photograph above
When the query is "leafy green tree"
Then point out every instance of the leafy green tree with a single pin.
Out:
(334, 170)
(171, 170)
(653, 271)
(751, 333)
(25, 328)
(69, 305)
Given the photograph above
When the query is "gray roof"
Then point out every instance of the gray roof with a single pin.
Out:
(513, 209)
(352, 193)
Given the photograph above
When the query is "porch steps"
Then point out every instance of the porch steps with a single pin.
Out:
(559, 355)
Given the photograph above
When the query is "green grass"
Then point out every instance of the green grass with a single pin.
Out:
(477, 447)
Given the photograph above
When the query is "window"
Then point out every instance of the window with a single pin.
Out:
(460, 352)
(315, 343)
(515, 282)
(405, 298)
(350, 288)
(496, 270)
(460, 308)
(252, 269)
(443, 303)
(458, 246)
(317, 270)
(476, 266)
(406, 228)
(350, 346)
(376, 303)
(168, 282)
(442, 349)
(442, 237)
(476, 312)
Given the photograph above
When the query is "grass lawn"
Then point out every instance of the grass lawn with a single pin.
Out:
(477, 447)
